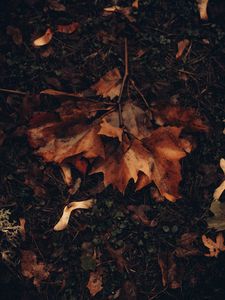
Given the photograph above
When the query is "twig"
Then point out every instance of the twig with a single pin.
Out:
(126, 72)
(13, 92)
(140, 93)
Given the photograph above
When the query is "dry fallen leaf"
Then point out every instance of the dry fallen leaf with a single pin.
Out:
(22, 228)
(109, 85)
(118, 256)
(15, 34)
(221, 188)
(56, 5)
(135, 4)
(44, 39)
(185, 245)
(179, 116)
(171, 274)
(70, 28)
(95, 282)
(202, 7)
(126, 11)
(64, 220)
(32, 269)
(182, 45)
(137, 151)
(214, 247)
(66, 172)
(140, 216)
(218, 220)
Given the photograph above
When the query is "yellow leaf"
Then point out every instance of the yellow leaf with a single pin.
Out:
(64, 220)
(44, 39)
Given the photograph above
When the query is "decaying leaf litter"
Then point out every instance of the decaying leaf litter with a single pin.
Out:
(135, 243)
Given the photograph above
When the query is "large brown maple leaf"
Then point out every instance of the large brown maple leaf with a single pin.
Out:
(134, 151)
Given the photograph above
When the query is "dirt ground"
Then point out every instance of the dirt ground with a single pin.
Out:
(35, 190)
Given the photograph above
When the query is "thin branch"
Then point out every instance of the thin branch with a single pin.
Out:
(140, 93)
(13, 92)
(126, 73)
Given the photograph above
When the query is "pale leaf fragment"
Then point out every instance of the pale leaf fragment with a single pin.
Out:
(22, 228)
(44, 39)
(202, 7)
(64, 220)
(182, 45)
(221, 188)
(66, 172)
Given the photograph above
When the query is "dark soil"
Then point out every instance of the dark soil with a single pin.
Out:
(34, 190)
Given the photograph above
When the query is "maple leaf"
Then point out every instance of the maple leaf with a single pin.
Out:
(44, 39)
(109, 85)
(135, 152)
(32, 269)
(214, 247)
(124, 163)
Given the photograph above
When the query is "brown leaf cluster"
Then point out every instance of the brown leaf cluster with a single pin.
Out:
(30, 268)
(87, 130)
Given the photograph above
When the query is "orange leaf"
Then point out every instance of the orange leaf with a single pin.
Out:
(95, 282)
(214, 247)
(70, 28)
(44, 39)
(202, 7)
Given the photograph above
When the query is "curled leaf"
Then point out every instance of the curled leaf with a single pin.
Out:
(44, 39)
(66, 172)
(64, 220)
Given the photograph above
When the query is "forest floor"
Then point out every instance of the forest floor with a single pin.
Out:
(107, 237)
